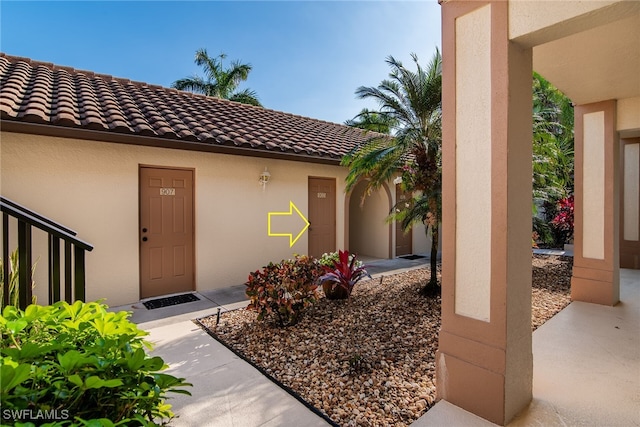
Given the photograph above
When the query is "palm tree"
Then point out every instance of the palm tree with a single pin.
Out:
(219, 82)
(411, 102)
(552, 153)
(373, 121)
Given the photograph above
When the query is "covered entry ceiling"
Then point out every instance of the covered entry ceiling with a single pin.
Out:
(598, 64)
(594, 65)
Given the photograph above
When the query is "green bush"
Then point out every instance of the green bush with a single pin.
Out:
(282, 291)
(80, 365)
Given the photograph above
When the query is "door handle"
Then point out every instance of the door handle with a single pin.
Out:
(144, 239)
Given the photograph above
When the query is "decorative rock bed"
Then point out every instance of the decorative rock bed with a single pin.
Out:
(369, 360)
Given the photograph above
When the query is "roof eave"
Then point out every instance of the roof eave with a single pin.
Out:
(147, 141)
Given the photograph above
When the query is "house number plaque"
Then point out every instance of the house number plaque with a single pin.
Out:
(322, 195)
(167, 191)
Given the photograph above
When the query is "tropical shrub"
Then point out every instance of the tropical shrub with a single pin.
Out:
(563, 221)
(534, 240)
(282, 291)
(340, 278)
(553, 157)
(80, 365)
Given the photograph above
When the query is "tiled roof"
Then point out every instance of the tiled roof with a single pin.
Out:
(61, 97)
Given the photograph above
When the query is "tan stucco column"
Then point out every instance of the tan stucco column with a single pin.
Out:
(596, 273)
(484, 361)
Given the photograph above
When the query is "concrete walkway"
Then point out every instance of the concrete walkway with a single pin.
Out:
(586, 368)
(227, 391)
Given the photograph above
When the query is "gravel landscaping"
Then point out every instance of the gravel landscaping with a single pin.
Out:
(370, 360)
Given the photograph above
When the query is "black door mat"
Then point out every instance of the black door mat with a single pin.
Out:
(168, 301)
(412, 257)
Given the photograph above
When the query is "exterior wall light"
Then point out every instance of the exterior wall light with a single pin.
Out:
(264, 178)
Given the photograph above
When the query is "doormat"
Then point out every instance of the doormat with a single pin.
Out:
(412, 257)
(168, 301)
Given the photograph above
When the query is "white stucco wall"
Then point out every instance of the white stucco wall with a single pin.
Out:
(593, 215)
(422, 240)
(628, 117)
(631, 195)
(92, 187)
(473, 164)
(368, 230)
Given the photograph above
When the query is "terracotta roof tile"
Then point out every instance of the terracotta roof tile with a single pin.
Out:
(48, 94)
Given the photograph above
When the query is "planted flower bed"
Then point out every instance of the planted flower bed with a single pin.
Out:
(369, 360)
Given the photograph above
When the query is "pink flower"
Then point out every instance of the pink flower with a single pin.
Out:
(564, 219)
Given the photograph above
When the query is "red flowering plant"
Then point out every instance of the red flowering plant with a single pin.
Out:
(340, 278)
(563, 221)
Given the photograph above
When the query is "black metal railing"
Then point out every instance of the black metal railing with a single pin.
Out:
(74, 254)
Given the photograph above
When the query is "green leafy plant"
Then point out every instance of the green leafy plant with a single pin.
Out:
(282, 291)
(85, 365)
(330, 258)
(358, 364)
(340, 278)
(13, 280)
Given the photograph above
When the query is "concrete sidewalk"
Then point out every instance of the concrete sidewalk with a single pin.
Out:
(227, 391)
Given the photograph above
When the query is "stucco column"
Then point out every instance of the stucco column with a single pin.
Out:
(630, 203)
(596, 273)
(484, 360)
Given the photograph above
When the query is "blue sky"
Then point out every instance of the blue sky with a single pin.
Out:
(308, 57)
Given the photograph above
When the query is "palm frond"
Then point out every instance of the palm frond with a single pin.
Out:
(193, 84)
(377, 162)
(373, 121)
(219, 82)
(246, 96)
(412, 99)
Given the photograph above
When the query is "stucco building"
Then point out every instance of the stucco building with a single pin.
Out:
(165, 184)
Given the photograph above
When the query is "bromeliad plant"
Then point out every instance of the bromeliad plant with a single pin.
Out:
(340, 278)
(283, 291)
(83, 364)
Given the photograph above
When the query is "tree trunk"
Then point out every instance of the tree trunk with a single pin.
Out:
(431, 289)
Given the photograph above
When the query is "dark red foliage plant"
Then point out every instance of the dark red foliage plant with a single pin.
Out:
(563, 221)
(282, 291)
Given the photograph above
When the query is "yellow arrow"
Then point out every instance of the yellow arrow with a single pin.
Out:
(292, 241)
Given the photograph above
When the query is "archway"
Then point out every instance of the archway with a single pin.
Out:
(369, 234)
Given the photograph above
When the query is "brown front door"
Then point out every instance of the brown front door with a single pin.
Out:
(166, 231)
(322, 216)
(404, 243)
(630, 204)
